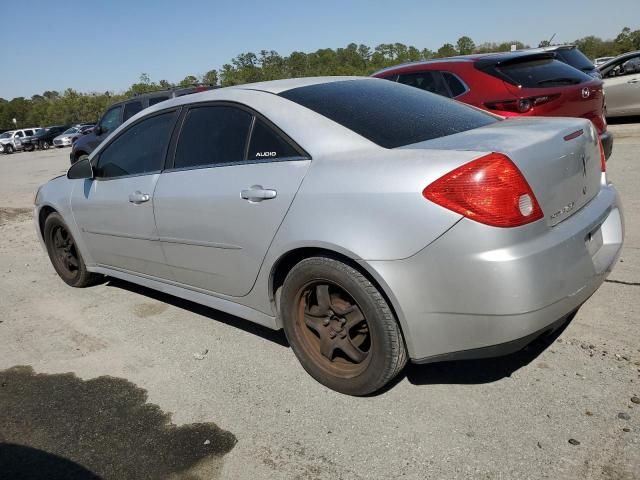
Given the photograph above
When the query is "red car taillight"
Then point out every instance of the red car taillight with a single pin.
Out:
(489, 190)
(522, 105)
(603, 158)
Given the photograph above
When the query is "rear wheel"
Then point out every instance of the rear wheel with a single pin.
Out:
(64, 254)
(340, 327)
(44, 145)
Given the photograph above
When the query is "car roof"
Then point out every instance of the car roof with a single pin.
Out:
(494, 57)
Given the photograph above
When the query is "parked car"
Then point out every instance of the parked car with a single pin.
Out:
(602, 60)
(123, 111)
(15, 140)
(511, 84)
(66, 138)
(374, 222)
(571, 55)
(622, 85)
(43, 139)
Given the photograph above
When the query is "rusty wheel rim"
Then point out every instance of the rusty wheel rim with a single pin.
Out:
(333, 329)
(64, 251)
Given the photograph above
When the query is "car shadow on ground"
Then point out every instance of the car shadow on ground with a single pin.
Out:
(275, 336)
(486, 370)
(464, 372)
(623, 120)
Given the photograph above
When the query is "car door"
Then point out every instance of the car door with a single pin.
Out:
(114, 210)
(622, 88)
(232, 180)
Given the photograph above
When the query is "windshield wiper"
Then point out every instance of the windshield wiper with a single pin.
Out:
(567, 80)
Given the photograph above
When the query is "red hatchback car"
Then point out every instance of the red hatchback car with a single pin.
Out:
(510, 84)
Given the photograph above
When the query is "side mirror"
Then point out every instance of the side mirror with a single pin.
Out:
(98, 130)
(81, 169)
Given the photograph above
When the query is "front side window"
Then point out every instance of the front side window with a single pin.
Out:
(625, 67)
(130, 109)
(140, 149)
(212, 135)
(429, 81)
(111, 119)
(19, 134)
(266, 144)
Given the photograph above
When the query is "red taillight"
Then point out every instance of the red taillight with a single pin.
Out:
(603, 158)
(522, 105)
(489, 190)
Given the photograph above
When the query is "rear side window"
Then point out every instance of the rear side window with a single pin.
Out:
(388, 113)
(140, 149)
(267, 144)
(212, 136)
(130, 109)
(454, 83)
(28, 133)
(429, 81)
(538, 73)
(111, 120)
(154, 100)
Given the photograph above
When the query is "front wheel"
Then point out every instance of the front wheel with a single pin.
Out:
(340, 327)
(44, 145)
(64, 254)
(9, 149)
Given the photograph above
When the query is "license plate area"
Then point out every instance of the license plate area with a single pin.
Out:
(594, 241)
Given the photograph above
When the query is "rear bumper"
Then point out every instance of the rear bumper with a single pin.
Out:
(479, 286)
(607, 143)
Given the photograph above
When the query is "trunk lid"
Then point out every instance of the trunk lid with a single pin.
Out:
(559, 158)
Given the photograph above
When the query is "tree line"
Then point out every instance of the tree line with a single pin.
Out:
(70, 106)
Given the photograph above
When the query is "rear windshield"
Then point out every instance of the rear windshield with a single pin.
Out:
(387, 113)
(538, 73)
(575, 58)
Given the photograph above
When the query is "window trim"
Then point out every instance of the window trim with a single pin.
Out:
(170, 161)
(96, 160)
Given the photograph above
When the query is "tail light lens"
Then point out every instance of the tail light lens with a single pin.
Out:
(522, 105)
(603, 158)
(489, 190)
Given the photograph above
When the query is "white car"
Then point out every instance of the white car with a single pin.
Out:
(11, 141)
(621, 78)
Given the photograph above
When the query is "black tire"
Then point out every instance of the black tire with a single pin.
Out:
(379, 354)
(9, 148)
(44, 145)
(29, 148)
(67, 261)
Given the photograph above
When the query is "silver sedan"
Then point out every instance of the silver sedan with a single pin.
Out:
(66, 138)
(372, 221)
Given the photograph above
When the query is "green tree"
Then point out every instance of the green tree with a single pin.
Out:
(446, 50)
(211, 77)
(188, 81)
(465, 45)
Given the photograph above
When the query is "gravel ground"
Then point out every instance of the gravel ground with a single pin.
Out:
(105, 380)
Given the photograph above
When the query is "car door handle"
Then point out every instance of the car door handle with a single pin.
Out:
(257, 194)
(138, 197)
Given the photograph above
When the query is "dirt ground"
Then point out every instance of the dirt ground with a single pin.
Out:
(103, 382)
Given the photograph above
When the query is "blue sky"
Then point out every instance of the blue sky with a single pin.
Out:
(105, 45)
